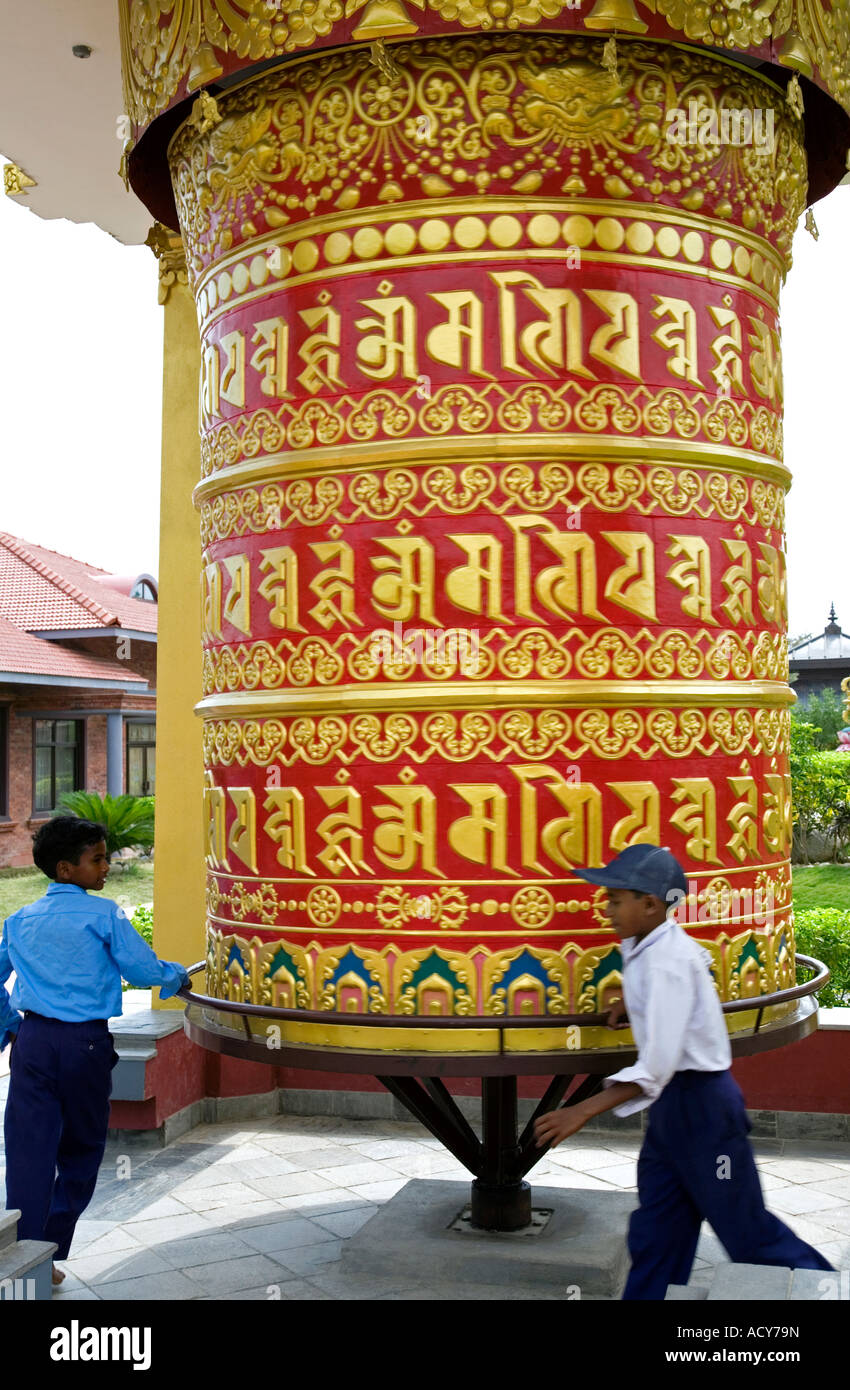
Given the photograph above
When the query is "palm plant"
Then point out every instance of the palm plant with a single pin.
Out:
(129, 820)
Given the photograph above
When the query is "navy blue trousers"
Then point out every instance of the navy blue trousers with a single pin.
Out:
(57, 1116)
(696, 1164)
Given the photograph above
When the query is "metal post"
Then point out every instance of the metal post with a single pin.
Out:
(501, 1201)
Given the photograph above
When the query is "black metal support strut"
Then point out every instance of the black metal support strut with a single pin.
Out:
(500, 1159)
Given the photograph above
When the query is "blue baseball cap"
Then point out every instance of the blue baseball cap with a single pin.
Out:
(642, 869)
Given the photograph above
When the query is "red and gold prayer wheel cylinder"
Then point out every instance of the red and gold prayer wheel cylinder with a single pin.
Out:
(492, 515)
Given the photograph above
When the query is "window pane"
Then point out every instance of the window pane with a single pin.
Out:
(44, 731)
(150, 771)
(66, 731)
(43, 780)
(135, 771)
(141, 733)
(65, 769)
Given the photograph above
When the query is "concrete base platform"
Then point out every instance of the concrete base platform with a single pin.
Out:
(580, 1253)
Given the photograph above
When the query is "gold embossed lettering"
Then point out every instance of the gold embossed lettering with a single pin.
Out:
(737, 581)
(693, 575)
(465, 324)
(237, 605)
(391, 350)
(334, 588)
(617, 344)
(405, 588)
(697, 817)
(341, 832)
(242, 838)
(280, 586)
(272, 356)
(643, 826)
(678, 335)
(477, 586)
(632, 585)
(409, 832)
(320, 351)
(286, 828)
(482, 837)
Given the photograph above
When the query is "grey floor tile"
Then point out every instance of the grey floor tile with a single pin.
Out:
(565, 1178)
(162, 1209)
(835, 1219)
(354, 1174)
(392, 1148)
(291, 1289)
(316, 1160)
(619, 1174)
(226, 1194)
(198, 1250)
(379, 1191)
(320, 1203)
(291, 1234)
(171, 1287)
(229, 1276)
(95, 1270)
(794, 1201)
(346, 1223)
(115, 1239)
(80, 1295)
(806, 1171)
(419, 1165)
(89, 1231)
(308, 1257)
(258, 1213)
(168, 1228)
(340, 1283)
(293, 1184)
(585, 1160)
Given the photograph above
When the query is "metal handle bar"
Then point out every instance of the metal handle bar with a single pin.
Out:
(760, 1002)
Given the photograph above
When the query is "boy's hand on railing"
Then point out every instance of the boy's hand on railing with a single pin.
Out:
(618, 1016)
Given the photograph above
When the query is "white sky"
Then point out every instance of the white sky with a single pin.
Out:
(81, 400)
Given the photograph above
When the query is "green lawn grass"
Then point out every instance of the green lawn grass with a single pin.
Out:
(128, 887)
(821, 885)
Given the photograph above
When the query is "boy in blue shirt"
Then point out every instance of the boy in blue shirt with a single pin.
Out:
(69, 952)
(696, 1161)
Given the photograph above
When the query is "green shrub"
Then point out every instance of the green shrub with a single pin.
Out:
(824, 932)
(129, 820)
(142, 920)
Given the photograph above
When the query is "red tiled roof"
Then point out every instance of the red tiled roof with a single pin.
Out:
(41, 590)
(21, 654)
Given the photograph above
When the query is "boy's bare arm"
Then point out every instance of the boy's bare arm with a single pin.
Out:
(560, 1124)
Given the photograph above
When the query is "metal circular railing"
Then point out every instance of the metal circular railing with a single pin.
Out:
(454, 1021)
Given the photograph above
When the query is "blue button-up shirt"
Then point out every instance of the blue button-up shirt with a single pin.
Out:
(70, 951)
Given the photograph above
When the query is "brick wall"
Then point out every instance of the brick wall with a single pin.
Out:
(95, 770)
(16, 832)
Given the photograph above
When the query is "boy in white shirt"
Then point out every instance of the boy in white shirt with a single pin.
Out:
(696, 1162)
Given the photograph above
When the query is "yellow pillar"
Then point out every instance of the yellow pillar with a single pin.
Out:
(179, 852)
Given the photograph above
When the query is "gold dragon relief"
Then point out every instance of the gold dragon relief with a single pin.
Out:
(287, 144)
(184, 43)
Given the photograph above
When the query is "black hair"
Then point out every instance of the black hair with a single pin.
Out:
(64, 837)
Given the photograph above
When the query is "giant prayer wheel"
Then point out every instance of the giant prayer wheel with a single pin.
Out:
(492, 483)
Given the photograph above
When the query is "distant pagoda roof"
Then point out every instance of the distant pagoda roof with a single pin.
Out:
(830, 648)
